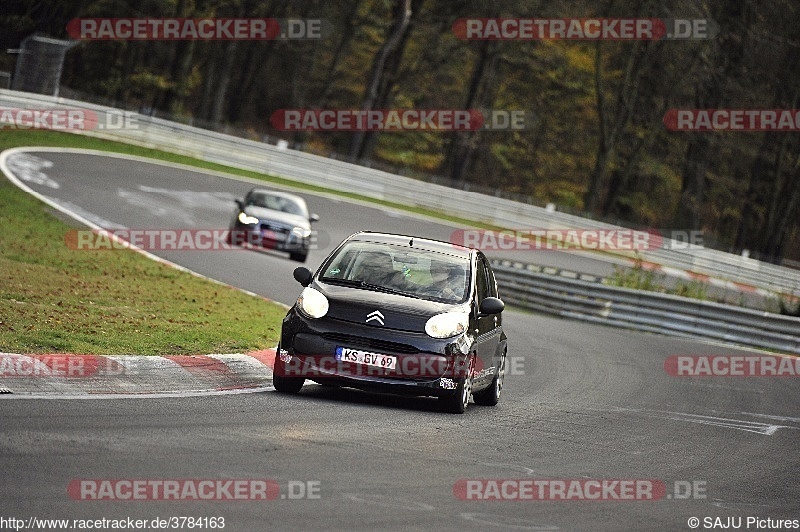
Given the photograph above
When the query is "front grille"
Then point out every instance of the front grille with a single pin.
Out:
(267, 226)
(370, 343)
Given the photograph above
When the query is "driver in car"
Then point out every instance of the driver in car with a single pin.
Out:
(448, 280)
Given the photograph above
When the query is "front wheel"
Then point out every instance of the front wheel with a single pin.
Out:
(457, 403)
(281, 382)
(287, 384)
(491, 395)
(299, 257)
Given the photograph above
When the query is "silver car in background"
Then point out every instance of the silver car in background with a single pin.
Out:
(273, 220)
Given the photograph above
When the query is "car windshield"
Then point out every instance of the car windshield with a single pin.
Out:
(414, 272)
(276, 203)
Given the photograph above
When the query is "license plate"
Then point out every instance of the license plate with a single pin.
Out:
(274, 236)
(355, 356)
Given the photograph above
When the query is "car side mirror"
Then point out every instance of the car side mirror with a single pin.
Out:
(490, 306)
(313, 217)
(240, 203)
(303, 275)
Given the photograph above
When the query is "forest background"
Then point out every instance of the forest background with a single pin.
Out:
(597, 144)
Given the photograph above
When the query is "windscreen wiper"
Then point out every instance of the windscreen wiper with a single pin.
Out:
(358, 283)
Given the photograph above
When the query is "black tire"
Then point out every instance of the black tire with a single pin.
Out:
(457, 403)
(287, 384)
(281, 382)
(491, 395)
(299, 257)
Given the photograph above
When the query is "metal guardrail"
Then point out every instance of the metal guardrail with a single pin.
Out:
(590, 300)
(257, 156)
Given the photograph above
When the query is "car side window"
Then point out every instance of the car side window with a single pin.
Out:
(492, 282)
(481, 280)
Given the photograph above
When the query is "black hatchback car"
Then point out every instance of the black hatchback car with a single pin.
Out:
(397, 314)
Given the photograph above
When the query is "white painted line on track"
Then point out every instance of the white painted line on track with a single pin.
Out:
(164, 395)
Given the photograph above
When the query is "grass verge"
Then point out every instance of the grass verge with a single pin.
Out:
(53, 299)
(639, 278)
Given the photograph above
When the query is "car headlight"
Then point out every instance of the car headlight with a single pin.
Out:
(312, 303)
(302, 232)
(447, 324)
(247, 219)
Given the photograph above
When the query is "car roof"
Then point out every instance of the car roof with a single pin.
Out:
(418, 243)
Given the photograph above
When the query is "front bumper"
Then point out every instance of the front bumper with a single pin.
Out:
(425, 366)
(255, 235)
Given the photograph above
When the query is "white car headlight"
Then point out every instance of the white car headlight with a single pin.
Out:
(301, 232)
(447, 324)
(247, 219)
(312, 303)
